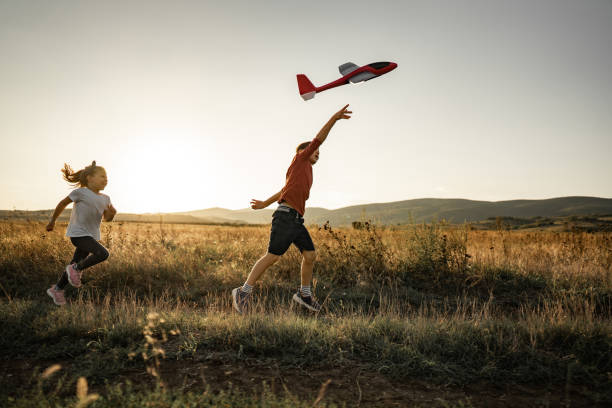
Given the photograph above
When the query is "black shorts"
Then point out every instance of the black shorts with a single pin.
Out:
(288, 228)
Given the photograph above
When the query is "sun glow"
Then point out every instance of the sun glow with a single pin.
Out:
(161, 174)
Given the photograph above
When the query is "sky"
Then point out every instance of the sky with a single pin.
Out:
(194, 104)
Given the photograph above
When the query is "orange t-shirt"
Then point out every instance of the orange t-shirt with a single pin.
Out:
(299, 179)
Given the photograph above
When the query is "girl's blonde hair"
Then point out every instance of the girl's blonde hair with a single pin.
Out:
(79, 178)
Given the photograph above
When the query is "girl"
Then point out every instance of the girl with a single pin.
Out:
(84, 228)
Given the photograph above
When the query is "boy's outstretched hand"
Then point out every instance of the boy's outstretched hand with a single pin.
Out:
(257, 205)
(343, 113)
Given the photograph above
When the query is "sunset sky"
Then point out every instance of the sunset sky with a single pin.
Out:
(194, 104)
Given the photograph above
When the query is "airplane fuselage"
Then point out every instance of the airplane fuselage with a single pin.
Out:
(375, 68)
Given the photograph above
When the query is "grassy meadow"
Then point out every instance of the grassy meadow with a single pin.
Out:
(425, 315)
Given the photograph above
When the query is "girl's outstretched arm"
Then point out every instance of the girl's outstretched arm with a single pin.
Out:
(258, 205)
(58, 210)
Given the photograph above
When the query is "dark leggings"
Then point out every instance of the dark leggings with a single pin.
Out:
(84, 247)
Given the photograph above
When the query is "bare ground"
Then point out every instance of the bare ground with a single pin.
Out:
(354, 386)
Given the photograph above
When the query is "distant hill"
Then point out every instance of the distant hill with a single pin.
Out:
(172, 218)
(429, 209)
(398, 212)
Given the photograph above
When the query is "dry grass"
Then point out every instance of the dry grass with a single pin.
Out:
(442, 303)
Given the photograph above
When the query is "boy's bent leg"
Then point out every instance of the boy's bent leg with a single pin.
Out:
(304, 296)
(308, 259)
(260, 267)
(304, 243)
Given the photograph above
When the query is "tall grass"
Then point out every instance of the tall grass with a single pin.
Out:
(440, 303)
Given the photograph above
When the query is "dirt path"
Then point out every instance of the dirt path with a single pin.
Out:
(357, 387)
(354, 386)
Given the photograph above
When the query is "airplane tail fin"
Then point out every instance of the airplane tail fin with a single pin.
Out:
(307, 89)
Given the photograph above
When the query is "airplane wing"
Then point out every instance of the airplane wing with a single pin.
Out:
(347, 68)
(362, 76)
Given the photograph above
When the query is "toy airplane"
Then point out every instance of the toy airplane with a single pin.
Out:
(352, 73)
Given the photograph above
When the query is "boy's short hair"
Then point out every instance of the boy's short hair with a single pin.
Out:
(302, 146)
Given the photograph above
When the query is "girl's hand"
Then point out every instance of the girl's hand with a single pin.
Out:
(109, 213)
(257, 205)
(111, 210)
(50, 225)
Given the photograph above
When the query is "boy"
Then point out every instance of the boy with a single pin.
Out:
(288, 221)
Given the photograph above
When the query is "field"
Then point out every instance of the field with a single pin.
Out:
(427, 315)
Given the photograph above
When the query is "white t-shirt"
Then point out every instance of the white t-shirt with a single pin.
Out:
(86, 213)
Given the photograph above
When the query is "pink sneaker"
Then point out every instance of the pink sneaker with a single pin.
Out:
(74, 275)
(56, 295)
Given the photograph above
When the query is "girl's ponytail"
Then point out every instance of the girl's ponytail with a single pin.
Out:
(79, 178)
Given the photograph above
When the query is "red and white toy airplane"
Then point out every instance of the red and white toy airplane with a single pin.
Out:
(352, 73)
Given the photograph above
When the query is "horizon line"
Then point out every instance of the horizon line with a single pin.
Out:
(347, 206)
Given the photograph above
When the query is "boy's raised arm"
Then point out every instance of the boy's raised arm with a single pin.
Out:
(343, 113)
